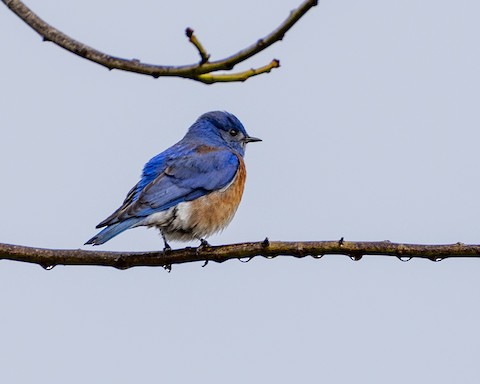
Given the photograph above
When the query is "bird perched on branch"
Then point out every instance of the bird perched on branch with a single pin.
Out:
(191, 190)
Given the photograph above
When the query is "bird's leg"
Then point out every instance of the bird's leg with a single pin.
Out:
(203, 244)
(166, 247)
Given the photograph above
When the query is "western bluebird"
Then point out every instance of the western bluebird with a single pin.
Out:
(191, 190)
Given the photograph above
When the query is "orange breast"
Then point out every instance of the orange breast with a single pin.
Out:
(211, 213)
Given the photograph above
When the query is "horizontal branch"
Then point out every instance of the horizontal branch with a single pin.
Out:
(48, 258)
(195, 71)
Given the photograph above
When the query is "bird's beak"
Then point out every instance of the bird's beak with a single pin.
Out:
(250, 139)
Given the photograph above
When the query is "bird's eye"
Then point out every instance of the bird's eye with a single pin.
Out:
(233, 132)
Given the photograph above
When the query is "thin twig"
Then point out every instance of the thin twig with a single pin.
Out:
(49, 258)
(191, 71)
(204, 56)
(209, 78)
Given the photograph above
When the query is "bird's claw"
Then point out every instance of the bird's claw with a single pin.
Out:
(203, 244)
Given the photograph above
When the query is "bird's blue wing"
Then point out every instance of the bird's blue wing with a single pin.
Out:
(170, 179)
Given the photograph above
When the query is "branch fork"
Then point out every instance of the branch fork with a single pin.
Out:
(205, 71)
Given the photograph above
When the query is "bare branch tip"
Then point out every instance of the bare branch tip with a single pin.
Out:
(189, 32)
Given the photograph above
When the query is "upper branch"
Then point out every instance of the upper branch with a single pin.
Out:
(192, 71)
(48, 258)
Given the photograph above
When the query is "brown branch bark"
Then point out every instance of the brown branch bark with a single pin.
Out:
(48, 258)
(204, 71)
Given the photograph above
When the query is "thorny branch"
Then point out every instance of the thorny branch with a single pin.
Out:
(205, 71)
(48, 258)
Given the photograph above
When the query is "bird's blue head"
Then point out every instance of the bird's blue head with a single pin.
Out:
(220, 128)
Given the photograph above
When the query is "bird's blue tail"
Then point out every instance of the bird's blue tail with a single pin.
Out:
(112, 231)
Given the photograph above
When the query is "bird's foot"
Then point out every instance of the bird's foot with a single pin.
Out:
(203, 244)
(167, 248)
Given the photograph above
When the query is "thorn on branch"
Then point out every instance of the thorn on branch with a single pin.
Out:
(266, 243)
(341, 241)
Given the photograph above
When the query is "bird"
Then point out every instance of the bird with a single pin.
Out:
(191, 190)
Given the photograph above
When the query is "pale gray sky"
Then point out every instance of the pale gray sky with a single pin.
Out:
(371, 132)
